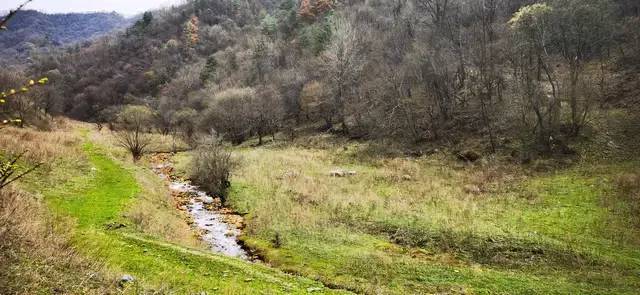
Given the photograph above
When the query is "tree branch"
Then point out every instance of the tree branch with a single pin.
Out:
(11, 14)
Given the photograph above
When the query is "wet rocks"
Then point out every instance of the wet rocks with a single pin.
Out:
(207, 200)
(216, 225)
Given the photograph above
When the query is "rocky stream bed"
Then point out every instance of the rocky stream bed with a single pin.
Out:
(217, 226)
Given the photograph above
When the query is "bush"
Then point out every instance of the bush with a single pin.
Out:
(134, 120)
(229, 114)
(211, 168)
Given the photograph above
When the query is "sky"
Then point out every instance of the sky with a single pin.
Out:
(126, 7)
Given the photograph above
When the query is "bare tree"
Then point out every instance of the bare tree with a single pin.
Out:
(581, 30)
(134, 121)
(343, 62)
(229, 114)
(486, 59)
(267, 112)
(531, 33)
(212, 166)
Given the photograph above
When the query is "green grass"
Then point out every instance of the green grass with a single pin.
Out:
(400, 226)
(379, 233)
(96, 199)
(571, 211)
(98, 194)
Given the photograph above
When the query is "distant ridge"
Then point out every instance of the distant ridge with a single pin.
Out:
(31, 31)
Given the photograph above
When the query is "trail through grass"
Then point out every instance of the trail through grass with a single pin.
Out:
(99, 197)
(96, 199)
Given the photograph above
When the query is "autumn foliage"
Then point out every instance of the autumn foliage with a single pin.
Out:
(310, 9)
(191, 31)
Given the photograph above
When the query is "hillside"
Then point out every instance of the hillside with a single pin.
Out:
(321, 146)
(33, 32)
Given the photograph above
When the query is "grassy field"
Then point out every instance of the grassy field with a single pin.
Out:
(431, 224)
(97, 193)
(401, 225)
(408, 225)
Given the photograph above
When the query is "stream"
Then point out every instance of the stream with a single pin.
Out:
(218, 226)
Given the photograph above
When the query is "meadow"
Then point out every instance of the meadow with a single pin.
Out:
(113, 218)
(400, 224)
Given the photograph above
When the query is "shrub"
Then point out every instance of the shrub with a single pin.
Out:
(211, 168)
(229, 114)
(133, 121)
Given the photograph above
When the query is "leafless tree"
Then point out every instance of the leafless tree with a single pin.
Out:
(134, 121)
(343, 62)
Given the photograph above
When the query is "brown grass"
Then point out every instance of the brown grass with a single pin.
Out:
(41, 146)
(36, 258)
(628, 185)
(154, 211)
(35, 254)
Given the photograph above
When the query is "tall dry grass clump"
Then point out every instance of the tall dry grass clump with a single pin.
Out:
(629, 192)
(42, 146)
(35, 256)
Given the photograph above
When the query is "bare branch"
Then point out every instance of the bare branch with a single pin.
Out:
(11, 14)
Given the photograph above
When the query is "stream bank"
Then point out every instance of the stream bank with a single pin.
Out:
(219, 227)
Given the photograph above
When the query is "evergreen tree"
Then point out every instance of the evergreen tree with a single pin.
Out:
(209, 70)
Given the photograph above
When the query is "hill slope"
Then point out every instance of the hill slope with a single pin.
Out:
(32, 31)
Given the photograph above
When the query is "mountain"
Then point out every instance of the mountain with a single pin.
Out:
(31, 31)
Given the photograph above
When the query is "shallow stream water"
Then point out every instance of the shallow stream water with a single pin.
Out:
(222, 237)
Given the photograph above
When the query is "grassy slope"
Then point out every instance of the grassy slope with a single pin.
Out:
(545, 234)
(98, 195)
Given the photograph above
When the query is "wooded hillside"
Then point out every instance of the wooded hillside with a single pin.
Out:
(416, 71)
(31, 32)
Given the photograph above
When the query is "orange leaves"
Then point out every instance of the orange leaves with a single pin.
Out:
(310, 9)
(306, 9)
(191, 30)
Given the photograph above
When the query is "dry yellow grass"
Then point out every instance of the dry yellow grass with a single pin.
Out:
(400, 218)
(42, 243)
(421, 189)
(42, 146)
(35, 256)
(154, 212)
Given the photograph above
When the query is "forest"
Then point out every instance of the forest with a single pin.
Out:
(347, 146)
(38, 33)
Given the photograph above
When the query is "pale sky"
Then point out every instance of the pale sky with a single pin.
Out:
(126, 7)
